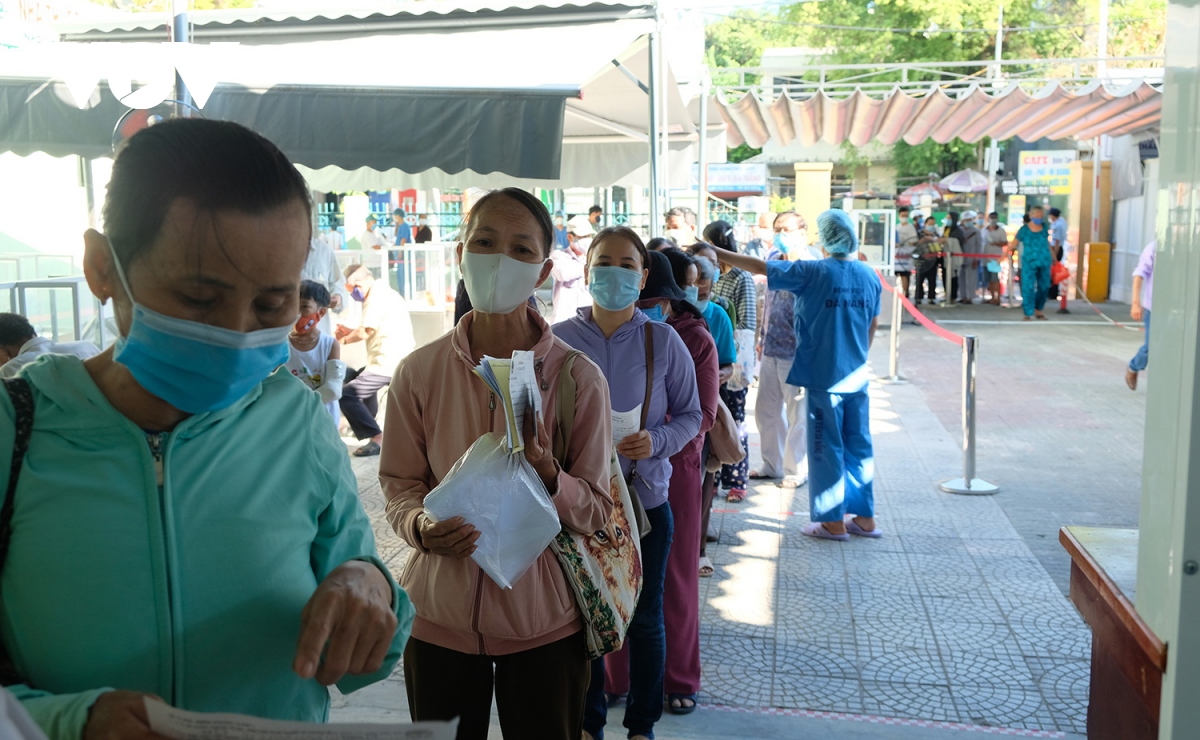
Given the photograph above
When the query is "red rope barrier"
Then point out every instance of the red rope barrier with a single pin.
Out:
(921, 318)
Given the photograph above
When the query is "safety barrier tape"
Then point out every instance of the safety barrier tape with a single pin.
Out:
(921, 318)
(1083, 295)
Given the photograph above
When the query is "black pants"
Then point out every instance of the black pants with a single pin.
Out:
(539, 693)
(359, 403)
(927, 276)
(1052, 294)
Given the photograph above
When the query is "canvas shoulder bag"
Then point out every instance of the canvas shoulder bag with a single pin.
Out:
(604, 568)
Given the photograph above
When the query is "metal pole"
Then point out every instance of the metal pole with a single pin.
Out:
(968, 483)
(993, 159)
(655, 204)
(999, 44)
(702, 175)
(181, 34)
(893, 376)
(1102, 41)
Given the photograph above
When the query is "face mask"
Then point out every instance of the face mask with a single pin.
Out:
(357, 294)
(583, 244)
(703, 305)
(693, 294)
(969, 222)
(1036, 221)
(306, 323)
(682, 237)
(993, 223)
(421, 222)
(497, 283)
(614, 288)
(654, 313)
(558, 224)
(904, 219)
(192, 366)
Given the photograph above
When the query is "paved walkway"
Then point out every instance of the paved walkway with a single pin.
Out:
(955, 623)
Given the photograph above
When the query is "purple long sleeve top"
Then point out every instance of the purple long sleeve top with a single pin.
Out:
(674, 415)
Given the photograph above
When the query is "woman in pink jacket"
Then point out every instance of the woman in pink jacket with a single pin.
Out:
(471, 637)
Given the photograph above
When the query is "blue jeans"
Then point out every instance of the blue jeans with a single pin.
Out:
(647, 641)
(841, 458)
(1035, 283)
(1142, 358)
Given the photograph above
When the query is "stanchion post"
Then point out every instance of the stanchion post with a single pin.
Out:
(893, 375)
(968, 483)
(1011, 284)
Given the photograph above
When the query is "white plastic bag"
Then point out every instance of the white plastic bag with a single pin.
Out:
(502, 496)
(747, 361)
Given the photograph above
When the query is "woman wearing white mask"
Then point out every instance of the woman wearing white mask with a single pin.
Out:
(185, 523)
(626, 345)
(471, 638)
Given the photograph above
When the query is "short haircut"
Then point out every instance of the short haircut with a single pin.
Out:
(351, 269)
(659, 243)
(311, 290)
(903, 209)
(695, 249)
(708, 270)
(791, 214)
(1055, 212)
(623, 232)
(687, 214)
(595, 209)
(1036, 207)
(993, 214)
(15, 330)
(535, 207)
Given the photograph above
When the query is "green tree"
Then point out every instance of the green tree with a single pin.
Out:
(160, 6)
(740, 39)
(929, 156)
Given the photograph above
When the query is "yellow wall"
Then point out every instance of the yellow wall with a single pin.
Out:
(813, 183)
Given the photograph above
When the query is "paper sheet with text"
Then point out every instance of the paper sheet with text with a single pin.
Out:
(625, 423)
(514, 381)
(180, 725)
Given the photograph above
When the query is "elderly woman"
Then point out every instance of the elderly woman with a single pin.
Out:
(186, 524)
(472, 637)
(837, 313)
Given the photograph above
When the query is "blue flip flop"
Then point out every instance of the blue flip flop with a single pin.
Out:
(853, 528)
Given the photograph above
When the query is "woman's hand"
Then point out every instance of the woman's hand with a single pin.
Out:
(725, 372)
(539, 451)
(118, 715)
(1135, 311)
(350, 619)
(636, 446)
(453, 538)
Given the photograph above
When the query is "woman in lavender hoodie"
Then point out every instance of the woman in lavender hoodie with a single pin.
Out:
(613, 334)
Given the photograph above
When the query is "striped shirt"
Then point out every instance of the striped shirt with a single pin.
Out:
(737, 287)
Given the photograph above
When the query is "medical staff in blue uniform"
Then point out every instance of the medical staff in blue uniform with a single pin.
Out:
(837, 313)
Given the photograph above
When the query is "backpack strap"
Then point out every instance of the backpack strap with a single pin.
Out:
(649, 332)
(21, 396)
(564, 408)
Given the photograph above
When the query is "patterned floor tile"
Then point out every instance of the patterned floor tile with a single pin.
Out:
(987, 667)
(900, 666)
(798, 691)
(1064, 687)
(819, 658)
(965, 636)
(1008, 704)
(911, 701)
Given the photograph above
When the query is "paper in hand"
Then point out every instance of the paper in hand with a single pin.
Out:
(180, 725)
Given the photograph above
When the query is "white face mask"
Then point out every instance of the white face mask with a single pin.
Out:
(682, 237)
(497, 283)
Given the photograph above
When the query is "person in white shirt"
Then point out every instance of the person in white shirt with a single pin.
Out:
(373, 238)
(570, 292)
(322, 267)
(20, 345)
(388, 332)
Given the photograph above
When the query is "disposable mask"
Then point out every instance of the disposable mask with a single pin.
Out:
(614, 288)
(693, 295)
(703, 305)
(357, 294)
(654, 313)
(682, 237)
(497, 283)
(306, 323)
(421, 222)
(904, 219)
(1036, 221)
(192, 366)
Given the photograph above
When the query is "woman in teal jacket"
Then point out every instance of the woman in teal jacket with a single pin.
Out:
(186, 523)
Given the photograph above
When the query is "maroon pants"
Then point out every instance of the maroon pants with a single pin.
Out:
(681, 592)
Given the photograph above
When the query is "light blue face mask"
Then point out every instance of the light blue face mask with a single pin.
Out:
(654, 313)
(614, 288)
(703, 305)
(192, 366)
(693, 295)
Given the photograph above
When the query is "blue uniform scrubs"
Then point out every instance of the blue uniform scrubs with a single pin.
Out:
(836, 301)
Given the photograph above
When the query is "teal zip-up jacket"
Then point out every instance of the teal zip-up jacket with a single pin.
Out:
(182, 575)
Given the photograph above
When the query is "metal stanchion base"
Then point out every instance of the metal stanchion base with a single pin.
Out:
(893, 380)
(974, 487)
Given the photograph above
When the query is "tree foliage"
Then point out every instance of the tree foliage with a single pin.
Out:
(160, 6)
(931, 157)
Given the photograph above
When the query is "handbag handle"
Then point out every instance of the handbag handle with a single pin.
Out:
(649, 374)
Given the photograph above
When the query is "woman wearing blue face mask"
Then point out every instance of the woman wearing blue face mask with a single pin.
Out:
(168, 540)
(1036, 258)
(637, 355)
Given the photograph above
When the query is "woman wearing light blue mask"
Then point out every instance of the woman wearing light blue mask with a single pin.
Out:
(160, 464)
(626, 344)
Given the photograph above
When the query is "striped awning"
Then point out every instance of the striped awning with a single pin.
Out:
(1052, 111)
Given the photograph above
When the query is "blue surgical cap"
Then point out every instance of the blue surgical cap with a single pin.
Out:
(837, 232)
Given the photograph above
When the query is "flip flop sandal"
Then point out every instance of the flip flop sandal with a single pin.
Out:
(370, 449)
(736, 495)
(793, 481)
(759, 475)
(681, 698)
(706, 568)
(817, 529)
(853, 528)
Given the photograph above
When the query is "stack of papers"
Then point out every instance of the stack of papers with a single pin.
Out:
(515, 384)
(180, 725)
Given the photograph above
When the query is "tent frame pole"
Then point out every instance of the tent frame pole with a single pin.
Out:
(652, 83)
(702, 175)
